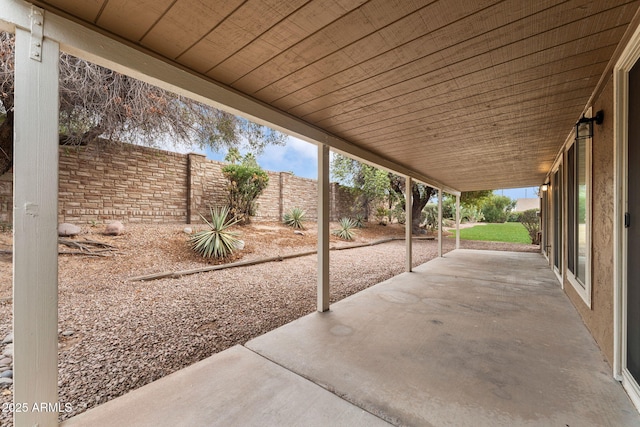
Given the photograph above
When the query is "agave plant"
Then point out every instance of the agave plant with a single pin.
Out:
(345, 232)
(359, 221)
(294, 218)
(219, 241)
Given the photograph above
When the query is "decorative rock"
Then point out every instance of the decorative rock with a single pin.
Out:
(68, 333)
(8, 339)
(7, 374)
(240, 245)
(114, 228)
(65, 229)
(298, 232)
(188, 230)
(8, 352)
(5, 382)
(6, 361)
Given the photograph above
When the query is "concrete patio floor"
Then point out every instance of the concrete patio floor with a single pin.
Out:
(477, 338)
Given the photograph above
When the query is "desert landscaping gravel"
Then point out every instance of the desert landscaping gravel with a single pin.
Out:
(116, 335)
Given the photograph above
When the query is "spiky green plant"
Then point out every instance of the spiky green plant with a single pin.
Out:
(345, 232)
(359, 221)
(219, 241)
(294, 218)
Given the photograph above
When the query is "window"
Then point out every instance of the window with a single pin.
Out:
(578, 228)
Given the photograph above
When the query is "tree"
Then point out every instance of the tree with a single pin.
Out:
(370, 185)
(247, 181)
(421, 193)
(98, 102)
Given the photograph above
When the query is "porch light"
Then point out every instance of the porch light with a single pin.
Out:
(545, 186)
(584, 126)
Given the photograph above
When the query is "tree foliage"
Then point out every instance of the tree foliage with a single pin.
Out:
(247, 181)
(98, 102)
(370, 185)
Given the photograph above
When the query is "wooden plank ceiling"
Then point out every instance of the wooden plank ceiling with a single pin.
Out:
(476, 94)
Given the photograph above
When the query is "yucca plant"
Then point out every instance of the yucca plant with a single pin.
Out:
(219, 241)
(359, 221)
(294, 218)
(345, 232)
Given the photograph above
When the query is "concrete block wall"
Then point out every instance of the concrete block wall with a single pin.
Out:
(141, 184)
(121, 182)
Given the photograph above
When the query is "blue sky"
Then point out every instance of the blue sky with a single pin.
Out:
(300, 157)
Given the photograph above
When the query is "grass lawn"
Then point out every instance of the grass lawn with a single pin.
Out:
(512, 232)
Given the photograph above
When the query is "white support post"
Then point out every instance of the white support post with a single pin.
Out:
(439, 222)
(35, 218)
(457, 222)
(408, 202)
(323, 228)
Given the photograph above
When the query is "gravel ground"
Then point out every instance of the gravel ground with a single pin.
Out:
(117, 335)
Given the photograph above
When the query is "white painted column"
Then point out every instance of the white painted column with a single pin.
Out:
(457, 222)
(323, 227)
(439, 222)
(35, 219)
(408, 202)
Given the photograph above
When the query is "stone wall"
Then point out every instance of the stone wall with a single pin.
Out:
(141, 184)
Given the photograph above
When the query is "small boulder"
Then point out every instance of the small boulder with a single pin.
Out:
(66, 230)
(188, 230)
(114, 228)
(8, 339)
(7, 374)
(239, 245)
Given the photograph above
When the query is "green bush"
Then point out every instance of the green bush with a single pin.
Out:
(430, 213)
(514, 216)
(218, 241)
(531, 222)
(381, 215)
(246, 182)
(497, 208)
(345, 232)
(295, 218)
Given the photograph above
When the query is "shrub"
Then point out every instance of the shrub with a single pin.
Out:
(345, 232)
(219, 241)
(430, 212)
(496, 208)
(531, 222)
(381, 215)
(294, 218)
(246, 182)
(398, 214)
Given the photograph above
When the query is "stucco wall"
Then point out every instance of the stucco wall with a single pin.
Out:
(599, 319)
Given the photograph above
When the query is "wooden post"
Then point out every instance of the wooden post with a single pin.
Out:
(35, 219)
(457, 222)
(439, 222)
(323, 228)
(408, 201)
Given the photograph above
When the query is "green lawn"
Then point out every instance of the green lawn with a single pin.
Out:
(512, 232)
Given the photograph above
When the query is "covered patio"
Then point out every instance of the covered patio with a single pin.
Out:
(458, 95)
(478, 338)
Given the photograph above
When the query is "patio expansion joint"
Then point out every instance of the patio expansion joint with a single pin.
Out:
(323, 386)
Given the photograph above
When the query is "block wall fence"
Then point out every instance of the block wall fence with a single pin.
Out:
(131, 183)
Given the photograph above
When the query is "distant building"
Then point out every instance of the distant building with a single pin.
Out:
(526, 204)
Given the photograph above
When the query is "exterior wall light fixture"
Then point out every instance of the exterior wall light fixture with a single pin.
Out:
(545, 186)
(584, 126)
